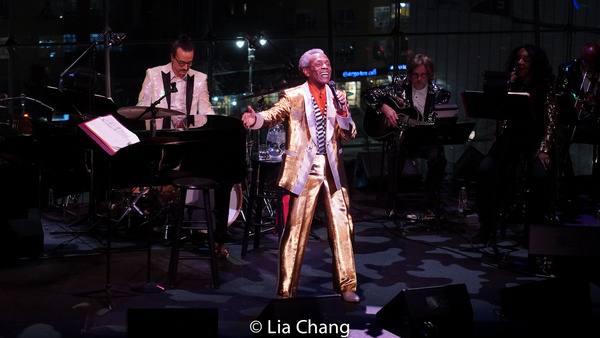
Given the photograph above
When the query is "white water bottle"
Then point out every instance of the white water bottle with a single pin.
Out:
(462, 200)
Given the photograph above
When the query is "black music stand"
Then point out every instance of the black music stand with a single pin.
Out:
(108, 286)
(437, 135)
(498, 106)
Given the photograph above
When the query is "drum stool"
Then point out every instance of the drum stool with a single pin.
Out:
(205, 185)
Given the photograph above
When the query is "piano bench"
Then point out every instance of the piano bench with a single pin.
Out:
(205, 185)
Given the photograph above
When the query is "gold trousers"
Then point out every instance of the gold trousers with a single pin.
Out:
(339, 226)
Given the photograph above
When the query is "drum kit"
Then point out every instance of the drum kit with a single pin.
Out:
(21, 124)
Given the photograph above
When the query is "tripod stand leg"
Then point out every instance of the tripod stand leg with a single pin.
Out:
(393, 162)
(107, 291)
(133, 205)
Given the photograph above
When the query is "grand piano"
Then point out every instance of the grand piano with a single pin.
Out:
(67, 160)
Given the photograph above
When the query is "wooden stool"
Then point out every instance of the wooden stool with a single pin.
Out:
(205, 185)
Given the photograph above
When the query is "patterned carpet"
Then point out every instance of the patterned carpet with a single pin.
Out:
(63, 293)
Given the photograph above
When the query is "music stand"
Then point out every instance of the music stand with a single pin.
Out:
(108, 290)
(438, 135)
(498, 105)
(446, 113)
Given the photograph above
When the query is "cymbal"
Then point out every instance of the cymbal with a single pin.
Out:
(135, 111)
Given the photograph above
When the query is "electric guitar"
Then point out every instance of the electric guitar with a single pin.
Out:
(374, 121)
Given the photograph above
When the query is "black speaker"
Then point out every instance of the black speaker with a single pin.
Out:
(547, 300)
(173, 322)
(563, 249)
(443, 311)
(304, 316)
(22, 238)
(565, 240)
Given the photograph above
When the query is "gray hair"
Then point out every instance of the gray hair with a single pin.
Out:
(305, 58)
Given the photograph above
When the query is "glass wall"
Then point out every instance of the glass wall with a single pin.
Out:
(368, 42)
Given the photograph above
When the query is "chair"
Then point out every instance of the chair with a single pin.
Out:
(205, 185)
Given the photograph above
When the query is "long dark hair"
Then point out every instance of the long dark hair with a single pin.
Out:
(540, 65)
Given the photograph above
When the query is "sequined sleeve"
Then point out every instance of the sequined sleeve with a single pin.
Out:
(550, 121)
(376, 96)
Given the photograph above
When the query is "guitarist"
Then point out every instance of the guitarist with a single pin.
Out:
(415, 90)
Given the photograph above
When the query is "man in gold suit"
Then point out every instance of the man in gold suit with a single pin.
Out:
(318, 120)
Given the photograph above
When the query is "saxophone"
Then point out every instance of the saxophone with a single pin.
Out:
(585, 105)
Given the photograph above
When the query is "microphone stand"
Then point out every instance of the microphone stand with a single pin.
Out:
(92, 45)
(150, 287)
(153, 111)
(289, 64)
(104, 35)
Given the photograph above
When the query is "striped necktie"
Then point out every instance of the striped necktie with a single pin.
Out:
(320, 126)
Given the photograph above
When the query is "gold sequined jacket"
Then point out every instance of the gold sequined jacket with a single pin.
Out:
(301, 147)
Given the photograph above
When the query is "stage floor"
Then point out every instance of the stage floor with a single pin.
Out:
(63, 292)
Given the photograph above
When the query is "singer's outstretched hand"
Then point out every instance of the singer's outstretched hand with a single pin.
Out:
(249, 118)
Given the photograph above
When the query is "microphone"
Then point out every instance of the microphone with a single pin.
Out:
(331, 85)
(174, 87)
(115, 39)
(512, 75)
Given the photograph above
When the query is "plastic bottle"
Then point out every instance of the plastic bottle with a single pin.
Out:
(462, 200)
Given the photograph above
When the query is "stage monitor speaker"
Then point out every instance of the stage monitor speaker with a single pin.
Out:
(547, 300)
(564, 240)
(563, 249)
(304, 316)
(443, 311)
(22, 238)
(172, 322)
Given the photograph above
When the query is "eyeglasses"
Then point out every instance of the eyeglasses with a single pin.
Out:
(416, 76)
(181, 63)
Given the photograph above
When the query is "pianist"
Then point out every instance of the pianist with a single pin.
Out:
(191, 94)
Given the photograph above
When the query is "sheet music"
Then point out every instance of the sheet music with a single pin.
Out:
(110, 134)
